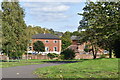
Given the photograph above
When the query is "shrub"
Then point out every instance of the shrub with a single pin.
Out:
(67, 54)
(52, 55)
(102, 56)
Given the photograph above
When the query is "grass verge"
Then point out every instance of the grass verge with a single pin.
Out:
(99, 68)
(19, 63)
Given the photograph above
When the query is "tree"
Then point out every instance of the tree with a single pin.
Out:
(13, 28)
(66, 41)
(68, 54)
(0, 30)
(117, 48)
(39, 46)
(101, 19)
(75, 33)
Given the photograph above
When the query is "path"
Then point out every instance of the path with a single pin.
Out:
(23, 71)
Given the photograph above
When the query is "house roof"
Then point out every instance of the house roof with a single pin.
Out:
(75, 38)
(44, 36)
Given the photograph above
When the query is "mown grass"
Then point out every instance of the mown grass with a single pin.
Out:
(13, 63)
(99, 68)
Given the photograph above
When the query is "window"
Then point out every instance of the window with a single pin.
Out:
(46, 41)
(55, 41)
(55, 48)
(46, 49)
(30, 48)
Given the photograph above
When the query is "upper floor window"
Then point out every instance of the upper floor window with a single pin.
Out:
(55, 41)
(30, 48)
(46, 41)
(55, 48)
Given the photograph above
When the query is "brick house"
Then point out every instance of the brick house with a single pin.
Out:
(79, 49)
(52, 43)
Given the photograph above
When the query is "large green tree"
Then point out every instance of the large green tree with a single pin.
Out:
(102, 19)
(13, 28)
(39, 46)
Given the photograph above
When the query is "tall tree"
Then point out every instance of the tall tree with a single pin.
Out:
(102, 18)
(13, 27)
(0, 30)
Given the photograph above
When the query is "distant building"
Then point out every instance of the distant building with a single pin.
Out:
(52, 43)
(79, 49)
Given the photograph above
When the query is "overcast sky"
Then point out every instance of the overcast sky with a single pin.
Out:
(60, 16)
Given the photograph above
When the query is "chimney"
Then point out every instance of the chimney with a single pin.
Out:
(44, 31)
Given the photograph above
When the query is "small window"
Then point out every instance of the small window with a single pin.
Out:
(46, 49)
(55, 41)
(30, 48)
(46, 41)
(55, 48)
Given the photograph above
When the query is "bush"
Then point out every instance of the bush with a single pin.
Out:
(102, 56)
(52, 55)
(67, 54)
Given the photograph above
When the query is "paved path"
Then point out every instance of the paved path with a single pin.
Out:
(23, 71)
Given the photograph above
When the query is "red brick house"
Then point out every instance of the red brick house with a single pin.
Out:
(52, 43)
(79, 49)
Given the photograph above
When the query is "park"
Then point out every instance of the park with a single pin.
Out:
(89, 51)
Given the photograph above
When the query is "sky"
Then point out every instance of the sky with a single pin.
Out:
(60, 16)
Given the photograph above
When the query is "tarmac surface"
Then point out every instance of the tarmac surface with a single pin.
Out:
(24, 71)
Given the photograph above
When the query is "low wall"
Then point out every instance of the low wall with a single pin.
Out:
(35, 57)
(3, 57)
(84, 56)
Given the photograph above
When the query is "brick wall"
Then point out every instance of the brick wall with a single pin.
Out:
(50, 44)
(35, 57)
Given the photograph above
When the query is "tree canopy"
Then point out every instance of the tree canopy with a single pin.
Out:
(13, 28)
(39, 46)
(101, 24)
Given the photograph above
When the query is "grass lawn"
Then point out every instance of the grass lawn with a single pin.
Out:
(13, 63)
(19, 63)
(99, 68)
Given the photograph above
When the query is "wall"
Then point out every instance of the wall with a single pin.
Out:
(50, 44)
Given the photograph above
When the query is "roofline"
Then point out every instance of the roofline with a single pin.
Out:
(47, 38)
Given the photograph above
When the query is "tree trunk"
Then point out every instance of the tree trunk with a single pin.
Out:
(94, 57)
(110, 53)
(93, 51)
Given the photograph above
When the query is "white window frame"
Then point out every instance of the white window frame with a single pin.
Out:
(46, 49)
(46, 41)
(30, 48)
(55, 41)
(54, 48)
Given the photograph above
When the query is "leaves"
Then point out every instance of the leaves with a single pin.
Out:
(101, 23)
(13, 28)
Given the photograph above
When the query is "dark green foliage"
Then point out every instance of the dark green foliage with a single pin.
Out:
(102, 56)
(52, 55)
(39, 46)
(76, 33)
(86, 49)
(13, 29)
(68, 54)
(117, 48)
(66, 41)
(101, 23)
